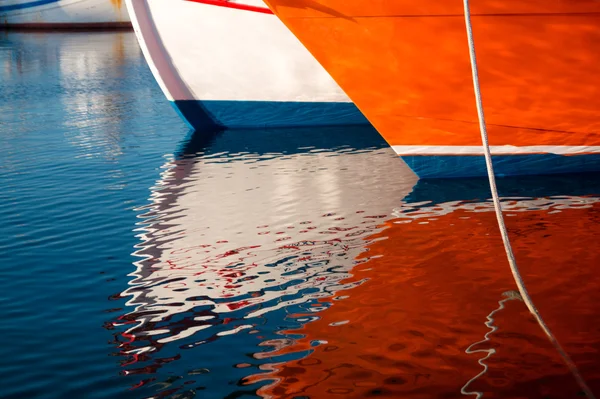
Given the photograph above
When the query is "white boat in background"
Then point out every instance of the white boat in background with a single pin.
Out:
(232, 64)
(63, 14)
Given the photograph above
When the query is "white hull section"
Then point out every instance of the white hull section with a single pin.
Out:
(63, 13)
(210, 59)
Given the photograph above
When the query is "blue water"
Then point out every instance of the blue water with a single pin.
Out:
(139, 259)
(85, 135)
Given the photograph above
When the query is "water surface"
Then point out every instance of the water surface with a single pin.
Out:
(141, 260)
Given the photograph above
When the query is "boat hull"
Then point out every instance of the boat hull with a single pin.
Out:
(64, 14)
(457, 166)
(406, 66)
(228, 67)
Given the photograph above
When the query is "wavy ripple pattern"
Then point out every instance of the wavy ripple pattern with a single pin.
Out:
(142, 261)
(235, 244)
(82, 137)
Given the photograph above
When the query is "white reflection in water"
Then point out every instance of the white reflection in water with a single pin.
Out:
(243, 235)
(83, 83)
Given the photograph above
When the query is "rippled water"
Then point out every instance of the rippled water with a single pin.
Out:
(140, 260)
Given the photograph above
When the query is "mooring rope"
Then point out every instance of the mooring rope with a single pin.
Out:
(498, 208)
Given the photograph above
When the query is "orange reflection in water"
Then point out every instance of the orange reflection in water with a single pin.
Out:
(431, 284)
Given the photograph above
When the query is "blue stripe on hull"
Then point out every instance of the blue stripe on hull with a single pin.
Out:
(260, 114)
(451, 166)
(22, 6)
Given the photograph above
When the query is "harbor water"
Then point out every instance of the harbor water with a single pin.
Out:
(139, 259)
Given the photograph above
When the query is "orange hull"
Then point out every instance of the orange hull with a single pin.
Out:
(406, 66)
(428, 288)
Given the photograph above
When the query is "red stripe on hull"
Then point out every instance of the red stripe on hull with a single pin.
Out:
(238, 6)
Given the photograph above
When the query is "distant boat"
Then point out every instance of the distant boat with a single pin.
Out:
(63, 14)
(406, 65)
(227, 64)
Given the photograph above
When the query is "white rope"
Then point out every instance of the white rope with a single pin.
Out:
(498, 208)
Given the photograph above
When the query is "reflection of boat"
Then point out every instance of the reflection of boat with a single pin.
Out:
(66, 14)
(406, 66)
(87, 71)
(231, 64)
(433, 282)
(233, 242)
